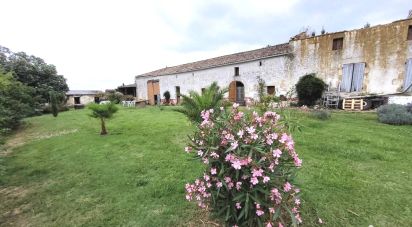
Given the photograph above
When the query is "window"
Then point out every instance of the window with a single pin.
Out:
(337, 44)
(271, 90)
(352, 78)
(76, 100)
(236, 71)
(203, 90)
(409, 32)
(177, 90)
(260, 63)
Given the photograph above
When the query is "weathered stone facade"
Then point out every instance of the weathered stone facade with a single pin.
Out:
(383, 50)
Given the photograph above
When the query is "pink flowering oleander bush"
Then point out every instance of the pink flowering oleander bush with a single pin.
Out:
(250, 165)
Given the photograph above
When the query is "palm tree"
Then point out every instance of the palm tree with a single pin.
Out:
(194, 103)
(103, 112)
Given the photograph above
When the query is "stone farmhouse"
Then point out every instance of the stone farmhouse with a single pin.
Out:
(373, 60)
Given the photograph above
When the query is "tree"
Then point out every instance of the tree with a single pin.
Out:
(309, 89)
(34, 72)
(103, 112)
(16, 102)
(194, 103)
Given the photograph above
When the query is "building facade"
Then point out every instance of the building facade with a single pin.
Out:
(375, 60)
(81, 97)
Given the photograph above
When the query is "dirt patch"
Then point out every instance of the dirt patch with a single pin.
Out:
(203, 219)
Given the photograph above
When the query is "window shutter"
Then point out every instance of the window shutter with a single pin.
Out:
(357, 80)
(408, 77)
(346, 77)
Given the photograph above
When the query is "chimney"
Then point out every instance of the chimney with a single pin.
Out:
(410, 14)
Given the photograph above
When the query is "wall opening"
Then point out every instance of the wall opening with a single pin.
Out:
(96, 100)
(76, 100)
(237, 92)
(177, 91)
(409, 33)
(153, 91)
(271, 90)
(337, 44)
(236, 71)
(407, 83)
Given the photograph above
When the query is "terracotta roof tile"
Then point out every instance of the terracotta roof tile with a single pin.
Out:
(262, 53)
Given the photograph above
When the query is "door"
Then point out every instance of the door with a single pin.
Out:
(153, 91)
(232, 91)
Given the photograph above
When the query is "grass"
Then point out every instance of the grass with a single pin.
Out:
(61, 172)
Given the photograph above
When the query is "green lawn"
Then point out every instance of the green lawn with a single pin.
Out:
(61, 172)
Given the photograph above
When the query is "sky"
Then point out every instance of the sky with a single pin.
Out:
(99, 44)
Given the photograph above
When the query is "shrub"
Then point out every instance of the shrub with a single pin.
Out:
(103, 112)
(166, 94)
(321, 114)
(54, 104)
(250, 165)
(309, 89)
(195, 103)
(114, 96)
(394, 114)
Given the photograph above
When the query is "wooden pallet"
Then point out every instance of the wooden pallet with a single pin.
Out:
(352, 104)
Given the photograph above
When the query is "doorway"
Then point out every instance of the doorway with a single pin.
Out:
(153, 92)
(76, 100)
(237, 92)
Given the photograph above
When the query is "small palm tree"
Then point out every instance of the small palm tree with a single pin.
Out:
(194, 103)
(103, 112)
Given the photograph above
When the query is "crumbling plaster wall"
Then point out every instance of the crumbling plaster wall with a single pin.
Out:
(383, 48)
(84, 99)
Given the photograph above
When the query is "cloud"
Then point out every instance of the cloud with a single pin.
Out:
(102, 44)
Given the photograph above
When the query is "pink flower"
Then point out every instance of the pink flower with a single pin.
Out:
(287, 187)
(269, 225)
(199, 152)
(298, 218)
(229, 157)
(236, 164)
(222, 108)
(277, 153)
(271, 210)
(235, 105)
(230, 185)
(297, 161)
(188, 149)
(238, 206)
(213, 171)
(280, 225)
(254, 180)
(206, 177)
(234, 145)
(260, 212)
(250, 129)
(240, 133)
(238, 185)
(227, 179)
(266, 179)
(257, 172)
(205, 160)
(219, 184)
(320, 221)
(254, 136)
(297, 202)
(214, 155)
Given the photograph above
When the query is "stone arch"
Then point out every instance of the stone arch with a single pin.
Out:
(237, 92)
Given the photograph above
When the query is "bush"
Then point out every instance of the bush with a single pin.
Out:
(114, 96)
(166, 94)
(321, 114)
(394, 114)
(309, 89)
(54, 102)
(195, 103)
(250, 165)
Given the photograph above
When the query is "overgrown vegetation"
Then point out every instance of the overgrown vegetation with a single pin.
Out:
(103, 112)
(395, 114)
(265, 100)
(250, 166)
(309, 89)
(194, 103)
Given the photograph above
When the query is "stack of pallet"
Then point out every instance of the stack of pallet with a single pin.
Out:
(353, 104)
